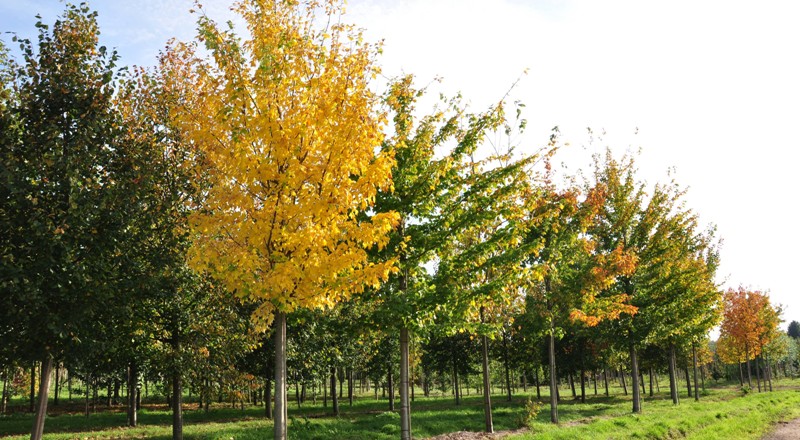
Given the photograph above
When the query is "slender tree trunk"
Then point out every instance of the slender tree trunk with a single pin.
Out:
(650, 371)
(703, 376)
(749, 374)
(268, 399)
(572, 386)
(94, 394)
(759, 373)
(44, 387)
(405, 405)
(32, 400)
(487, 399)
(4, 398)
(596, 377)
(297, 391)
(694, 366)
(108, 394)
(741, 375)
(133, 385)
(688, 382)
(622, 381)
(583, 386)
(455, 383)
(390, 385)
(637, 399)
(117, 386)
(658, 387)
(349, 385)
(280, 415)
(87, 395)
(524, 381)
(769, 374)
(551, 355)
(58, 382)
(334, 394)
(605, 378)
(177, 403)
(507, 367)
(69, 386)
(673, 377)
(536, 379)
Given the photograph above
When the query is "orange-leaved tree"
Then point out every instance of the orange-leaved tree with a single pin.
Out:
(749, 323)
(286, 128)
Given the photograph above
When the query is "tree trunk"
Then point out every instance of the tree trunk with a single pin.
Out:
(572, 386)
(673, 377)
(622, 381)
(741, 375)
(334, 395)
(455, 383)
(349, 386)
(390, 385)
(297, 392)
(58, 382)
(551, 355)
(749, 374)
(487, 399)
(605, 378)
(116, 391)
(536, 379)
(177, 403)
(268, 399)
(703, 377)
(637, 402)
(769, 374)
(688, 382)
(650, 371)
(133, 386)
(86, 412)
(507, 367)
(41, 406)
(583, 386)
(108, 393)
(32, 403)
(405, 405)
(758, 373)
(694, 366)
(4, 397)
(280, 415)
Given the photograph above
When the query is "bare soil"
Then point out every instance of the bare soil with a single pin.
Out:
(785, 431)
(469, 435)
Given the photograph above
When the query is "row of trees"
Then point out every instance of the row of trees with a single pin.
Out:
(161, 220)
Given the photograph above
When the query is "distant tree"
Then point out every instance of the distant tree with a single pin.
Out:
(794, 329)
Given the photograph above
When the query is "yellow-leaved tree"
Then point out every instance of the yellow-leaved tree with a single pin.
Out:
(286, 130)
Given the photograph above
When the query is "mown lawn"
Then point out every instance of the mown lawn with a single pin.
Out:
(722, 413)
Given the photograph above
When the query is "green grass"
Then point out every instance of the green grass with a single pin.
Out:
(722, 413)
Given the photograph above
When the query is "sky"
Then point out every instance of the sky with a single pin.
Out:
(708, 89)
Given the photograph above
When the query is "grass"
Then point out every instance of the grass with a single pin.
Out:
(722, 413)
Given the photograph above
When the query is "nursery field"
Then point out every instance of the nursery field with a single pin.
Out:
(723, 412)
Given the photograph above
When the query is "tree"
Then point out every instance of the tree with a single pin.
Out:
(430, 152)
(794, 329)
(286, 127)
(642, 225)
(575, 269)
(64, 174)
(749, 324)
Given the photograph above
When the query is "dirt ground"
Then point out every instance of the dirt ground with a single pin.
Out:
(467, 435)
(785, 431)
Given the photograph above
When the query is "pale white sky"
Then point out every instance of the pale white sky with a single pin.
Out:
(712, 86)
